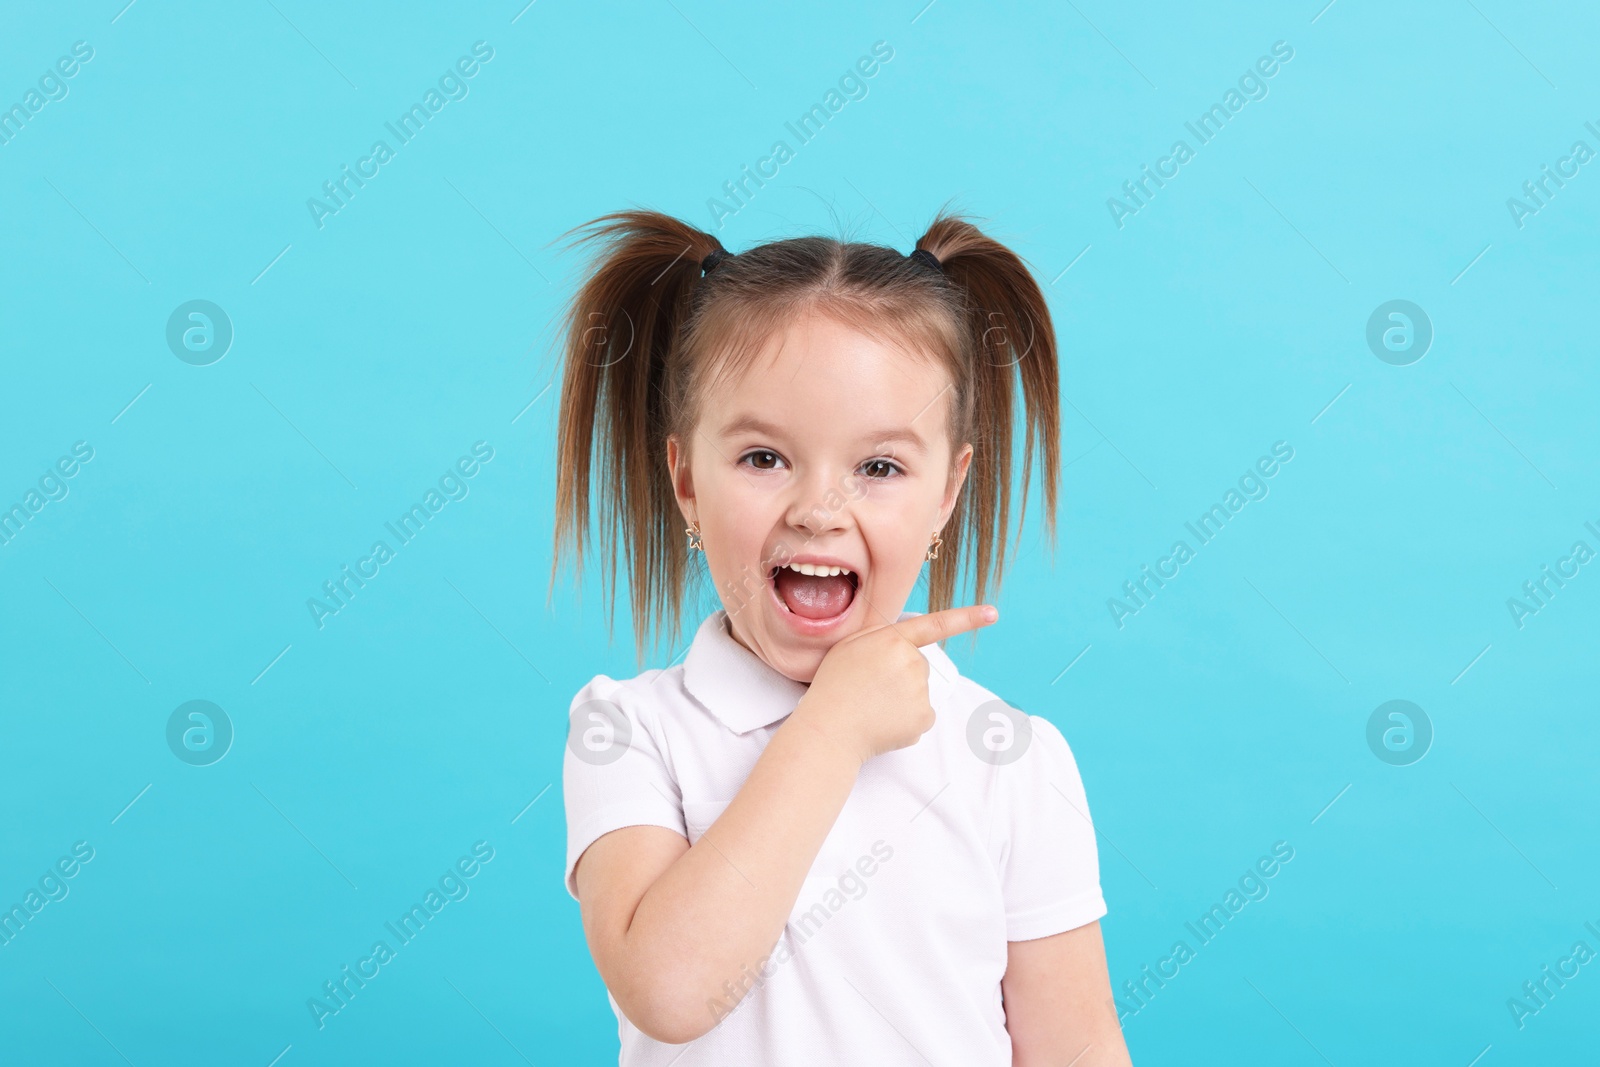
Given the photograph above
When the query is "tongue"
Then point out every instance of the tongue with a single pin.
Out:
(813, 596)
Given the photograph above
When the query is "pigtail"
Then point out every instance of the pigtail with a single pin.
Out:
(620, 331)
(1009, 324)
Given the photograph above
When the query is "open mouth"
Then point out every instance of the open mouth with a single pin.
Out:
(822, 596)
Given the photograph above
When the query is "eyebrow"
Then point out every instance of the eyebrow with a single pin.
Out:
(752, 424)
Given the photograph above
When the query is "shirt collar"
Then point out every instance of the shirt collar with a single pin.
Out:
(744, 693)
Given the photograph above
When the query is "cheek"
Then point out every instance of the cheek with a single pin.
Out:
(738, 511)
(736, 537)
(901, 515)
(897, 545)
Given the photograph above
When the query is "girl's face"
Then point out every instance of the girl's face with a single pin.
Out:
(832, 447)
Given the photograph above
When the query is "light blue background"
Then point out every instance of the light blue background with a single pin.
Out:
(371, 353)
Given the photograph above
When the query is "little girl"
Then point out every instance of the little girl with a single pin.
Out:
(813, 841)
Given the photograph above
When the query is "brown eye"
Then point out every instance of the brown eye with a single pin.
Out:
(889, 470)
(763, 453)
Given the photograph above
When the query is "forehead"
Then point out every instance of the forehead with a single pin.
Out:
(818, 377)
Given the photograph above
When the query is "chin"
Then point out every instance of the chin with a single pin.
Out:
(800, 665)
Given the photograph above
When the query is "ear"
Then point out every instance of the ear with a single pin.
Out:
(682, 481)
(958, 478)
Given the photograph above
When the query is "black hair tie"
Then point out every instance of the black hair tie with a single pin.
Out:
(709, 264)
(922, 255)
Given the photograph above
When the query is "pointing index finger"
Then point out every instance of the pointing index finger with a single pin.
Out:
(938, 625)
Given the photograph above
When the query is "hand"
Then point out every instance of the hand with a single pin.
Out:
(870, 693)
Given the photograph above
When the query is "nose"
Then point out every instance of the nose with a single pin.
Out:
(819, 505)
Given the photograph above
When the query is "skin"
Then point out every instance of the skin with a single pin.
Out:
(1057, 997)
(828, 481)
(669, 925)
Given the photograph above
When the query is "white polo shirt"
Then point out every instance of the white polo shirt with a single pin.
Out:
(976, 835)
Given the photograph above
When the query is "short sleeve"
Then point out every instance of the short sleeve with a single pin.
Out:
(1050, 867)
(614, 773)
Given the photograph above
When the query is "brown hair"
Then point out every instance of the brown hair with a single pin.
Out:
(646, 336)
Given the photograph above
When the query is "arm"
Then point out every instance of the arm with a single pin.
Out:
(1059, 1009)
(669, 925)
